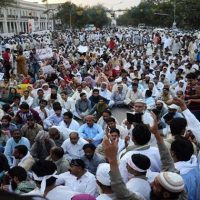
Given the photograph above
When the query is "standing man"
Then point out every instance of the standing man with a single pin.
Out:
(6, 62)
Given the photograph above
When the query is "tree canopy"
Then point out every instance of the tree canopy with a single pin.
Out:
(161, 13)
(80, 16)
(5, 3)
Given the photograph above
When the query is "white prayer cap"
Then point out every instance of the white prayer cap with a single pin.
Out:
(102, 174)
(173, 106)
(7, 46)
(118, 80)
(140, 101)
(170, 181)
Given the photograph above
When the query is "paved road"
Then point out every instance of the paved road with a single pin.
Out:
(120, 113)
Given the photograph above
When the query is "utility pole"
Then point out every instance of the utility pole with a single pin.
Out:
(70, 15)
(174, 23)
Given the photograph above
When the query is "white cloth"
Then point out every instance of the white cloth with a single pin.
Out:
(185, 166)
(29, 100)
(152, 153)
(193, 123)
(73, 151)
(141, 186)
(41, 114)
(86, 184)
(59, 192)
(74, 125)
(67, 105)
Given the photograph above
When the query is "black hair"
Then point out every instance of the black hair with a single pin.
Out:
(178, 126)
(22, 149)
(110, 119)
(24, 106)
(7, 117)
(191, 76)
(64, 92)
(90, 145)
(82, 94)
(44, 101)
(78, 162)
(141, 134)
(141, 161)
(107, 111)
(6, 107)
(57, 106)
(95, 90)
(58, 152)
(115, 130)
(182, 148)
(68, 114)
(18, 172)
(4, 166)
(148, 93)
(40, 90)
(43, 168)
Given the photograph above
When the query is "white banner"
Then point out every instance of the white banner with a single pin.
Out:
(48, 69)
(42, 53)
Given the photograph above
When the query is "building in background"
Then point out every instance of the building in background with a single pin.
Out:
(24, 17)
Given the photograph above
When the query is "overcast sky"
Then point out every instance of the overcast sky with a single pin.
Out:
(114, 4)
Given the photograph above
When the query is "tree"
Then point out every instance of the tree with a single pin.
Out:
(5, 3)
(161, 13)
(80, 16)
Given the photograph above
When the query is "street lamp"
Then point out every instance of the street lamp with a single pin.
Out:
(174, 23)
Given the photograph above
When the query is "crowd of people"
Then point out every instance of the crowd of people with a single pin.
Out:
(59, 138)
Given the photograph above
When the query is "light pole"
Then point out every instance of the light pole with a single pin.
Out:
(174, 23)
(70, 15)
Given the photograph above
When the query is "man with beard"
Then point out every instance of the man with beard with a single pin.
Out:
(14, 141)
(91, 159)
(22, 157)
(19, 182)
(168, 184)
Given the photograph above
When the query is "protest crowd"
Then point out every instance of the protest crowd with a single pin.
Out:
(59, 138)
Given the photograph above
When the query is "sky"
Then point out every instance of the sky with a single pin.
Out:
(112, 4)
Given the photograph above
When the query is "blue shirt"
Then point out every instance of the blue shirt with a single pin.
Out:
(10, 146)
(95, 132)
(53, 120)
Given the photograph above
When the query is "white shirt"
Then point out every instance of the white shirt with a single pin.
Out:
(139, 186)
(86, 184)
(74, 151)
(29, 100)
(41, 114)
(74, 125)
(68, 105)
(60, 193)
(152, 153)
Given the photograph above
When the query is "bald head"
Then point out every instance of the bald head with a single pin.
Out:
(89, 120)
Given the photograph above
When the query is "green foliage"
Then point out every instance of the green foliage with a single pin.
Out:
(80, 16)
(5, 3)
(161, 13)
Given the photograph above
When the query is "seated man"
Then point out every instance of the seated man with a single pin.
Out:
(82, 106)
(57, 156)
(118, 97)
(91, 131)
(22, 157)
(91, 159)
(15, 140)
(19, 182)
(55, 118)
(78, 179)
(31, 129)
(73, 146)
